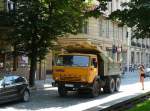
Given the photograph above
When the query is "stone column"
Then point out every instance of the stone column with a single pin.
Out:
(129, 48)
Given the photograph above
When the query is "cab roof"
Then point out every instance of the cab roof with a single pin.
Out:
(79, 54)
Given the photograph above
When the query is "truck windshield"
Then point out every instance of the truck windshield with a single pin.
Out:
(71, 60)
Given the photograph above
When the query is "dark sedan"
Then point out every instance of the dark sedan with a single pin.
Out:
(12, 88)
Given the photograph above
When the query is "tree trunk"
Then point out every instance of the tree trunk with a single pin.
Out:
(32, 71)
(15, 59)
(40, 70)
(15, 62)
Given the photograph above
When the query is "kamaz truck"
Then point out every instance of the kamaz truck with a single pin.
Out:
(86, 68)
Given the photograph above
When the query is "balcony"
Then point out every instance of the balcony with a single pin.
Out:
(147, 46)
(138, 44)
(133, 43)
(143, 45)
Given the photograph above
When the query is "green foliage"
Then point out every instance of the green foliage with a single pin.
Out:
(38, 23)
(136, 14)
(142, 106)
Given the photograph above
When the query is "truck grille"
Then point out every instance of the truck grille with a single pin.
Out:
(64, 78)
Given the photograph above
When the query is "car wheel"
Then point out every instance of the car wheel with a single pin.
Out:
(26, 96)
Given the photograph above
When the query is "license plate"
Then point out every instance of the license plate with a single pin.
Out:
(69, 85)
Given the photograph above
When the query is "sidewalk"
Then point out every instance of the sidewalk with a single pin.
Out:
(41, 84)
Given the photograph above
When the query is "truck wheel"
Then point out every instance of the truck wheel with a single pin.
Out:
(95, 90)
(61, 90)
(117, 84)
(110, 85)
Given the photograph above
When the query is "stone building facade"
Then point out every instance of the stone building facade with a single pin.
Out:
(105, 32)
(108, 34)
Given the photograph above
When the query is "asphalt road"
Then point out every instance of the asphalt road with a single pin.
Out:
(48, 99)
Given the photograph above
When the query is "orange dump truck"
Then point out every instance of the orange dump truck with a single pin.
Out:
(86, 69)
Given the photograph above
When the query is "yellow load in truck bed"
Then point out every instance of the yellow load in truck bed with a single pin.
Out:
(84, 46)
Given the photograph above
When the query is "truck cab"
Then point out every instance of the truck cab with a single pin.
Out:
(75, 68)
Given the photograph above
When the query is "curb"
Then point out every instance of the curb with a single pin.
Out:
(39, 88)
(118, 105)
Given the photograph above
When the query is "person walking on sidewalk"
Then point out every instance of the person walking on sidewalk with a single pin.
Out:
(142, 76)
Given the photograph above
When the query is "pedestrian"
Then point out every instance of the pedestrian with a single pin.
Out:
(142, 76)
(130, 68)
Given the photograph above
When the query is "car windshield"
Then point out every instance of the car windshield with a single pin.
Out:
(72, 60)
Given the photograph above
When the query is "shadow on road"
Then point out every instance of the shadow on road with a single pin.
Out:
(43, 99)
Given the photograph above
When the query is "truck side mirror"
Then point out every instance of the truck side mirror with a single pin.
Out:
(94, 63)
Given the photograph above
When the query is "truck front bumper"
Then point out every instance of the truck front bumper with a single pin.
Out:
(72, 86)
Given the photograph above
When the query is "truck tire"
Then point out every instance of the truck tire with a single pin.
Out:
(117, 84)
(109, 86)
(95, 90)
(61, 91)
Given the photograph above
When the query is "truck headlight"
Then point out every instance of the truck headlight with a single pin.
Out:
(83, 79)
(56, 78)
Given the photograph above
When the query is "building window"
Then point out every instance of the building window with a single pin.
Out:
(138, 57)
(100, 27)
(107, 28)
(115, 32)
(110, 29)
(125, 33)
(132, 57)
(142, 59)
(104, 26)
(120, 33)
(149, 60)
(85, 27)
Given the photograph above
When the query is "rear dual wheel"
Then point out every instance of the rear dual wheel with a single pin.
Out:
(117, 84)
(112, 85)
(109, 86)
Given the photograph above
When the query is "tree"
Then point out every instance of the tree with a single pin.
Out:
(37, 23)
(135, 14)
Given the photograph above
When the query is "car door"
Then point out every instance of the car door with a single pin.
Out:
(20, 85)
(1, 90)
(10, 91)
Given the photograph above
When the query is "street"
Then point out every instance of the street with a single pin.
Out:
(48, 99)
